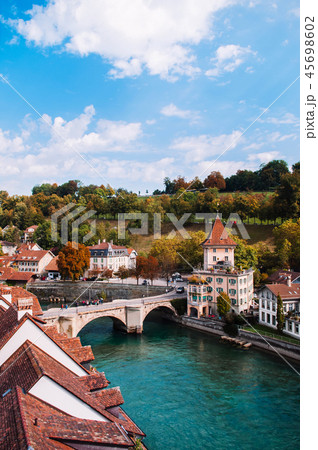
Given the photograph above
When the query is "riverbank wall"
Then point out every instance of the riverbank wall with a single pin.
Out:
(86, 290)
(276, 346)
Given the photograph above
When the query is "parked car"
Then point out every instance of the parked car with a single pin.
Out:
(180, 290)
(145, 283)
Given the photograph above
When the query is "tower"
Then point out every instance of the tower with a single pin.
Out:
(218, 246)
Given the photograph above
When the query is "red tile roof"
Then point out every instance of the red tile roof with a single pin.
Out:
(105, 245)
(31, 255)
(281, 276)
(52, 265)
(10, 274)
(218, 236)
(286, 292)
(28, 422)
(29, 363)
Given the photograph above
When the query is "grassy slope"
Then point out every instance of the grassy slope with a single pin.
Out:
(258, 233)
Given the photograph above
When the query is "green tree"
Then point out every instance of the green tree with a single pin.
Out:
(280, 316)
(43, 236)
(223, 304)
(245, 255)
(289, 231)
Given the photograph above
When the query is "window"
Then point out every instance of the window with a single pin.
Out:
(241, 301)
(296, 328)
(263, 316)
(209, 289)
(214, 258)
(268, 319)
(214, 250)
(226, 250)
(219, 290)
(290, 326)
(273, 306)
(233, 300)
(209, 279)
(210, 299)
(268, 305)
(226, 258)
(273, 320)
(231, 281)
(219, 280)
(240, 280)
(232, 291)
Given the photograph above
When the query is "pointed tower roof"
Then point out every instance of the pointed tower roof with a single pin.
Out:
(218, 236)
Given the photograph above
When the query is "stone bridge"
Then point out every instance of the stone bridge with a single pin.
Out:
(128, 315)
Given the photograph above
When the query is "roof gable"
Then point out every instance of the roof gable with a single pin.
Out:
(218, 236)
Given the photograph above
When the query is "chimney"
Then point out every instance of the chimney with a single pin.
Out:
(289, 283)
(111, 242)
(98, 241)
(104, 240)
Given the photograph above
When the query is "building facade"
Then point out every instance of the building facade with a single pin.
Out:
(219, 275)
(290, 294)
(106, 255)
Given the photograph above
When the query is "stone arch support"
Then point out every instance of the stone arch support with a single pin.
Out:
(148, 308)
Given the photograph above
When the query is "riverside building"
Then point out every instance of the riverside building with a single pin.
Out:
(219, 275)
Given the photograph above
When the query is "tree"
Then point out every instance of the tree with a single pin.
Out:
(288, 231)
(13, 235)
(280, 316)
(107, 273)
(191, 250)
(215, 180)
(223, 304)
(43, 236)
(122, 273)
(151, 268)
(287, 198)
(165, 250)
(73, 260)
(245, 255)
(137, 272)
(270, 174)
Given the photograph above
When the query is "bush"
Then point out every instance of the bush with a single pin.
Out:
(231, 329)
(239, 320)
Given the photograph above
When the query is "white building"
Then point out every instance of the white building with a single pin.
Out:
(290, 294)
(33, 260)
(8, 248)
(28, 233)
(106, 255)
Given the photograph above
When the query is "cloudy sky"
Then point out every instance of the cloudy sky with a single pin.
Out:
(127, 92)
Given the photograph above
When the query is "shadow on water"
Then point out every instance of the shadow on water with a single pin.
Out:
(187, 390)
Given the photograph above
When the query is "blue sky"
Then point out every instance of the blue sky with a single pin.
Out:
(132, 91)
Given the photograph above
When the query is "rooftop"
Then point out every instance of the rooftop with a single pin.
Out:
(218, 236)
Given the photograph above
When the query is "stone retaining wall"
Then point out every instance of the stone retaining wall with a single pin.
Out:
(272, 345)
(88, 289)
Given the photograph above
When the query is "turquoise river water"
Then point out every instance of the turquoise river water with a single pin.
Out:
(186, 390)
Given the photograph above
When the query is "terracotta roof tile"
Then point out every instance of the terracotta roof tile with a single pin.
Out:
(218, 236)
(52, 265)
(281, 276)
(286, 292)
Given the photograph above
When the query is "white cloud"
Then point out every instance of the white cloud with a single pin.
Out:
(130, 34)
(264, 157)
(14, 144)
(197, 148)
(228, 58)
(285, 119)
(172, 110)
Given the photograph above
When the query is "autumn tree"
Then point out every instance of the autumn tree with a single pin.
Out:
(245, 255)
(151, 268)
(122, 273)
(137, 272)
(191, 251)
(223, 304)
(73, 260)
(165, 250)
(215, 180)
(280, 316)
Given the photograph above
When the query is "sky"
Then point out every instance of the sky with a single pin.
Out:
(128, 92)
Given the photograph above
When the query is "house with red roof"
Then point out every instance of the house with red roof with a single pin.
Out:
(50, 395)
(290, 295)
(219, 275)
(28, 233)
(33, 260)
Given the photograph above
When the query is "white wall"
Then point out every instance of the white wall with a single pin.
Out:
(30, 331)
(54, 394)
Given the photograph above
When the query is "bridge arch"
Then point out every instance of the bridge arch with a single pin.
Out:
(119, 319)
(166, 306)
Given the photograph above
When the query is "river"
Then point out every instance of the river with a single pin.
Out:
(186, 390)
